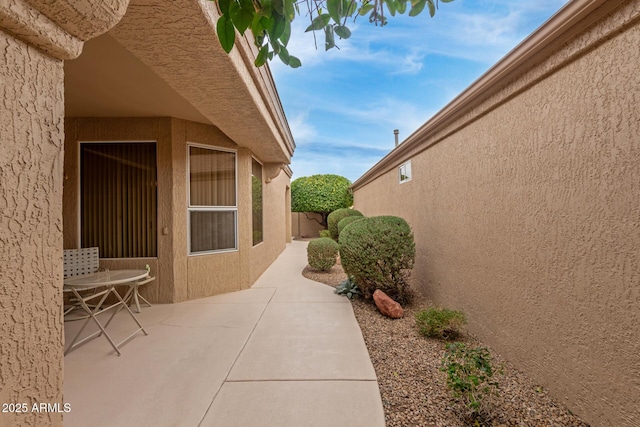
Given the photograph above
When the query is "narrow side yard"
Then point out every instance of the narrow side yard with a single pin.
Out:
(413, 389)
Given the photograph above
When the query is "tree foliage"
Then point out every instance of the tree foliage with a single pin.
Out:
(270, 21)
(321, 194)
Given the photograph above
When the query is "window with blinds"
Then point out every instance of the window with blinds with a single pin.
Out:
(118, 198)
(213, 208)
(256, 201)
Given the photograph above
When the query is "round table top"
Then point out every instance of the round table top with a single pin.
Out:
(105, 278)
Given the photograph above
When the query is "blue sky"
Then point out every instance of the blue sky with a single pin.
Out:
(343, 105)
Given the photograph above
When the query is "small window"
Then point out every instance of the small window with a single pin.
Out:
(213, 209)
(404, 172)
(256, 201)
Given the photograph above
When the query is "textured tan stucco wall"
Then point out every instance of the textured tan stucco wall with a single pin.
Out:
(528, 219)
(303, 226)
(274, 225)
(124, 129)
(179, 276)
(31, 331)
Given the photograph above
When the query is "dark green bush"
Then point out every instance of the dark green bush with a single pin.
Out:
(334, 218)
(325, 233)
(322, 253)
(379, 253)
(346, 221)
(440, 323)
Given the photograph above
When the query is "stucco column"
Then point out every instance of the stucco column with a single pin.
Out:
(36, 36)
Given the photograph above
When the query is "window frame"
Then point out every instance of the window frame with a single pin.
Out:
(200, 208)
(409, 175)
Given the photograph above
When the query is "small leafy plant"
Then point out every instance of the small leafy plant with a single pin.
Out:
(349, 288)
(440, 323)
(325, 233)
(469, 376)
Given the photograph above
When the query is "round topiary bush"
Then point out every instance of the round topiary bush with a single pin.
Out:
(379, 253)
(322, 253)
(346, 221)
(336, 216)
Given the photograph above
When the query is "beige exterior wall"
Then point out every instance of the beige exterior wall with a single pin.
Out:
(305, 224)
(179, 276)
(35, 38)
(34, 41)
(275, 208)
(31, 332)
(526, 214)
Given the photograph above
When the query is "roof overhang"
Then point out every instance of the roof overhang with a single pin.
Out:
(164, 59)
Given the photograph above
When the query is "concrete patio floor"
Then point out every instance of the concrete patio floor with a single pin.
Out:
(287, 352)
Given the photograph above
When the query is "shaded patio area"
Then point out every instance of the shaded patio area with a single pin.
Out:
(286, 352)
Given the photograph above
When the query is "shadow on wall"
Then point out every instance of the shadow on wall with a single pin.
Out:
(306, 224)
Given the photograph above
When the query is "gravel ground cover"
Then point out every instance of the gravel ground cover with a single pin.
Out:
(412, 387)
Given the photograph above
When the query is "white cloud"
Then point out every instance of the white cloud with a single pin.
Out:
(303, 131)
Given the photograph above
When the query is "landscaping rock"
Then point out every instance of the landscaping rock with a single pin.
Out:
(387, 306)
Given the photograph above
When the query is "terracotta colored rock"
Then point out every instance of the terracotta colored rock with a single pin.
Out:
(386, 305)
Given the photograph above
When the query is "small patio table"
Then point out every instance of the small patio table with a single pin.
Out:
(107, 280)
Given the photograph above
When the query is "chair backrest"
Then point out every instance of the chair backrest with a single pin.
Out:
(81, 261)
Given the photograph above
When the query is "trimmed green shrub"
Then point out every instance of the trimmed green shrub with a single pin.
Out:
(346, 221)
(440, 323)
(469, 373)
(325, 233)
(379, 253)
(322, 253)
(336, 216)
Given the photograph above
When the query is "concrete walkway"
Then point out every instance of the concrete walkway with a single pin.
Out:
(287, 352)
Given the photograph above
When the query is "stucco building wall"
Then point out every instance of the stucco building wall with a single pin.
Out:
(275, 208)
(31, 332)
(179, 276)
(305, 224)
(34, 41)
(526, 214)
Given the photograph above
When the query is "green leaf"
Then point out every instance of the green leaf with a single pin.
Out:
(350, 8)
(256, 25)
(365, 9)
(266, 7)
(286, 34)
(279, 25)
(240, 16)
(391, 5)
(342, 31)
(278, 6)
(294, 62)
(432, 7)
(402, 6)
(289, 10)
(276, 46)
(334, 8)
(284, 55)
(329, 39)
(417, 7)
(224, 6)
(318, 23)
(262, 56)
(226, 33)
